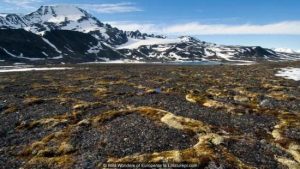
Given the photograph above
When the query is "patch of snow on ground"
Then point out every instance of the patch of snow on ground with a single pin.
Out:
(127, 61)
(69, 49)
(289, 73)
(44, 53)
(177, 57)
(161, 48)
(26, 69)
(21, 56)
(135, 43)
(57, 57)
(226, 56)
(95, 49)
(243, 63)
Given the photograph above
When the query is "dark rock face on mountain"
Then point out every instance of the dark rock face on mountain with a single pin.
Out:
(18, 45)
(138, 35)
(80, 47)
(55, 34)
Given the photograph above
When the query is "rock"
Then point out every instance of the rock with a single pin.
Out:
(263, 141)
(2, 106)
(266, 103)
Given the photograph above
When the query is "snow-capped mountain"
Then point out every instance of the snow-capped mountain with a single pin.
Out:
(187, 48)
(68, 17)
(63, 33)
(12, 21)
(64, 17)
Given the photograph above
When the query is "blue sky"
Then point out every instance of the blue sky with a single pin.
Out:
(269, 23)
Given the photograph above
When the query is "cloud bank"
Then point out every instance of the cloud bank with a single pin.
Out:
(196, 28)
(110, 8)
(21, 2)
(18, 5)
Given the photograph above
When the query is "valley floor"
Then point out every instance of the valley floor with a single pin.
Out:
(224, 116)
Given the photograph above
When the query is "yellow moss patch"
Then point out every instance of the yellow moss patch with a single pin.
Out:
(101, 92)
(38, 145)
(182, 123)
(10, 109)
(191, 98)
(276, 134)
(191, 155)
(244, 92)
(291, 164)
(64, 162)
(85, 105)
(32, 100)
(201, 153)
(294, 149)
(69, 89)
(151, 91)
(215, 92)
(152, 113)
(218, 105)
(231, 159)
(107, 116)
(279, 95)
(273, 87)
(287, 120)
(49, 122)
(83, 122)
(65, 148)
(241, 99)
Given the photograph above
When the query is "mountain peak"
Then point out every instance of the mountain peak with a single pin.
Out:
(60, 13)
(187, 38)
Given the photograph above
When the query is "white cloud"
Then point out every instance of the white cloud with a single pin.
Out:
(98, 8)
(195, 28)
(21, 2)
(21, 5)
(110, 8)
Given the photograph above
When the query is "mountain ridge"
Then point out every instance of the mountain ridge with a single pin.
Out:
(52, 25)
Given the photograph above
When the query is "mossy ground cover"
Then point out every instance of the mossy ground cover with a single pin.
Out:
(216, 116)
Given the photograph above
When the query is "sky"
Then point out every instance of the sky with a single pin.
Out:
(267, 23)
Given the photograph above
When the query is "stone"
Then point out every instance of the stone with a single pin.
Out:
(266, 103)
(2, 106)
